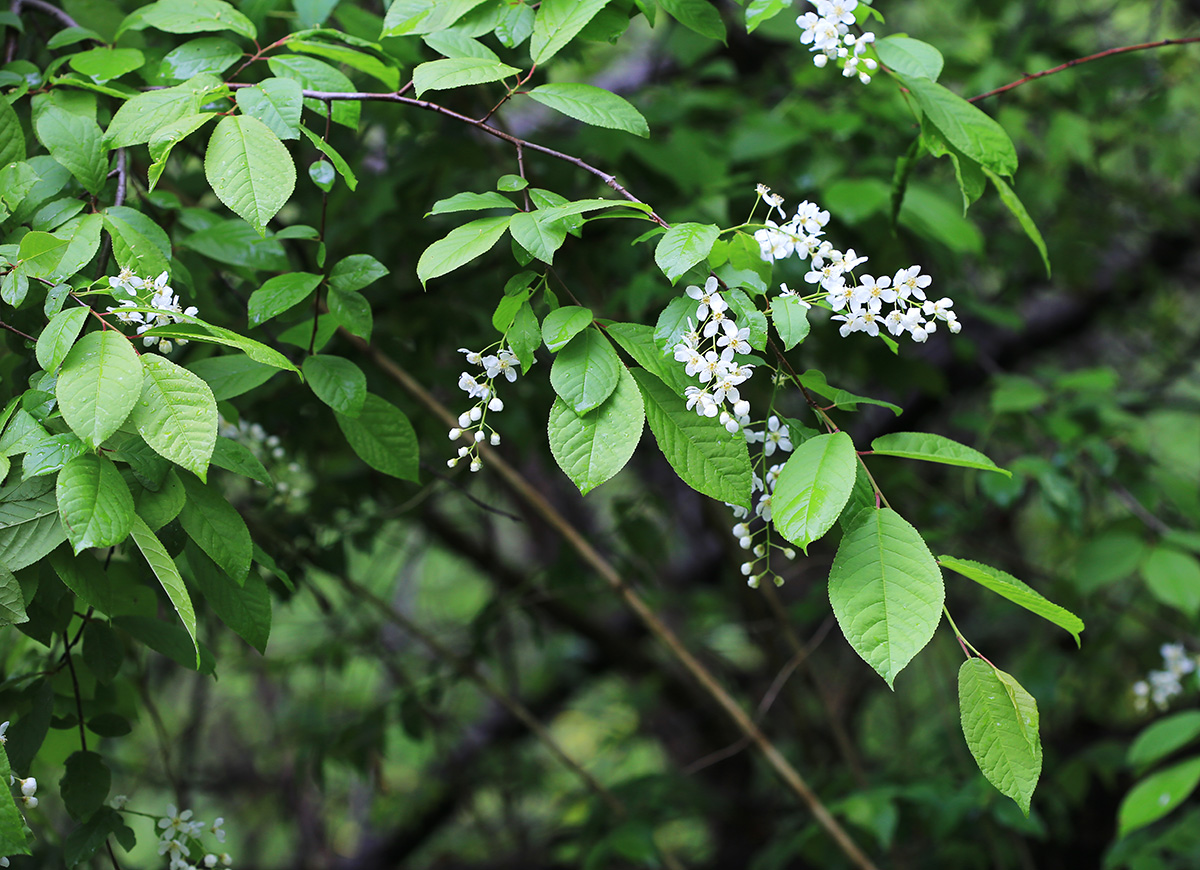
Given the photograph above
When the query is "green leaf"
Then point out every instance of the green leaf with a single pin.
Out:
(210, 54)
(592, 105)
(104, 64)
(384, 72)
(815, 382)
(29, 529)
(337, 382)
(524, 336)
(94, 502)
(167, 639)
(383, 438)
(706, 457)
(249, 169)
(216, 526)
(457, 72)
(102, 650)
(278, 294)
(813, 488)
(461, 246)
(139, 244)
(84, 785)
(71, 36)
(592, 447)
(177, 414)
(537, 234)
(790, 317)
(1174, 579)
(58, 336)
(557, 23)
(193, 16)
(195, 330)
(932, 448)
(683, 246)
(166, 138)
(586, 371)
(965, 127)
(356, 272)
(761, 11)
(74, 141)
(1017, 592)
(235, 243)
(748, 316)
(231, 376)
(416, 17)
(39, 254)
(515, 25)
(238, 458)
(638, 341)
(82, 235)
(468, 201)
(1163, 738)
(698, 15)
(140, 117)
(1009, 197)
(1000, 722)
(312, 13)
(100, 382)
(246, 609)
(886, 590)
(910, 57)
(563, 324)
(12, 149)
(159, 507)
(12, 603)
(351, 311)
(339, 162)
(315, 75)
(277, 103)
(13, 840)
(511, 183)
(449, 43)
(86, 840)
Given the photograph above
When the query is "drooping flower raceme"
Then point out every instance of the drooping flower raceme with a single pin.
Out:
(144, 293)
(775, 437)
(827, 33)
(182, 836)
(481, 387)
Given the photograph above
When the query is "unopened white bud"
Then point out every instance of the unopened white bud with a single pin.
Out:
(760, 550)
(789, 553)
(752, 582)
(479, 436)
(744, 542)
(475, 413)
(747, 568)
(495, 439)
(463, 451)
(450, 463)
(476, 465)
(741, 530)
(496, 405)
(28, 786)
(741, 408)
(30, 801)
(455, 433)
(464, 419)
(819, 62)
(732, 426)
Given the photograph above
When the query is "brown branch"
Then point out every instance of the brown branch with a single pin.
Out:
(11, 328)
(1081, 60)
(708, 682)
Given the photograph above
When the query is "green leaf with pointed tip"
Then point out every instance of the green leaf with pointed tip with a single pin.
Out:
(12, 144)
(216, 526)
(278, 294)
(159, 507)
(705, 456)
(457, 72)
(231, 376)
(339, 162)
(417, 17)
(343, 55)
(383, 438)
(1012, 202)
(592, 105)
(337, 382)
(557, 23)
(1163, 738)
(84, 785)
(12, 602)
(139, 244)
(29, 529)
(933, 448)
(314, 75)
(449, 43)
(100, 382)
(964, 126)
(276, 102)
(165, 570)
(537, 234)
(1173, 577)
(94, 502)
(40, 253)
(355, 273)
(104, 64)
(140, 117)
(586, 371)
(761, 11)
(592, 447)
(683, 246)
(1157, 795)
(167, 137)
(249, 169)
(246, 609)
(813, 488)
(58, 336)
(815, 381)
(461, 246)
(176, 415)
(74, 141)
(193, 329)
(790, 317)
(1017, 592)
(210, 54)
(238, 458)
(910, 57)
(1000, 722)
(698, 15)
(563, 324)
(637, 340)
(886, 590)
(82, 235)
(468, 201)
(193, 16)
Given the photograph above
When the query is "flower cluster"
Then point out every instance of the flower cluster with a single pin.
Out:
(1160, 687)
(480, 387)
(292, 480)
(28, 789)
(774, 437)
(161, 298)
(709, 350)
(181, 836)
(858, 303)
(828, 32)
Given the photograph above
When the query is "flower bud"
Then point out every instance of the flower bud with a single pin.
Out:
(475, 414)
(741, 408)
(744, 542)
(463, 451)
(476, 465)
(759, 550)
(455, 433)
(741, 530)
(732, 427)
(464, 420)
(789, 553)
(479, 436)
(496, 405)
(495, 439)
(747, 567)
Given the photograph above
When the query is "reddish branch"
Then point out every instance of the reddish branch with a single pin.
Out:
(1079, 60)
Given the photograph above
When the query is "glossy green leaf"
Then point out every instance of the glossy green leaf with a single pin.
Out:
(383, 438)
(159, 507)
(278, 294)
(416, 17)
(1009, 197)
(168, 639)
(1000, 722)
(39, 254)
(706, 457)
(210, 54)
(100, 382)
(104, 64)
(314, 75)
(586, 371)
(29, 528)
(813, 488)
(1016, 591)
(338, 162)
(761, 11)
(557, 23)
(238, 458)
(168, 576)
(12, 603)
(82, 235)
(461, 246)
(457, 72)
(176, 414)
(563, 324)
(276, 102)
(246, 608)
(140, 117)
(638, 341)
(468, 201)
(1173, 577)
(592, 447)
(537, 234)
(75, 142)
(815, 382)
(231, 376)
(910, 57)
(343, 55)
(139, 244)
(85, 784)
(167, 137)
(886, 590)
(525, 335)
(52, 454)
(12, 138)
(515, 25)
(790, 317)
(249, 169)
(59, 335)
(352, 312)
(683, 246)
(194, 16)
(698, 15)
(216, 526)
(932, 448)
(355, 273)
(965, 127)
(94, 502)
(337, 382)
(592, 105)
(449, 43)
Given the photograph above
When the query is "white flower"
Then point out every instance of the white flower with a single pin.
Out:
(29, 787)
(776, 436)
(849, 261)
(875, 291)
(217, 831)
(811, 218)
(940, 309)
(910, 282)
(709, 299)
(734, 338)
(174, 822)
(3, 728)
(763, 508)
(474, 357)
(838, 10)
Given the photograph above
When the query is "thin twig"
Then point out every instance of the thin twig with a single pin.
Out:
(78, 695)
(1162, 43)
(10, 328)
(46, 8)
(122, 176)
